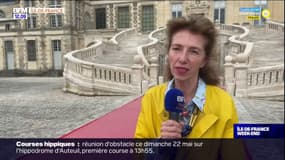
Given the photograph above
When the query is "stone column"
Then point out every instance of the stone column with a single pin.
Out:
(144, 86)
(109, 16)
(160, 79)
(65, 75)
(229, 75)
(133, 11)
(154, 69)
(114, 17)
(241, 80)
(138, 17)
(137, 69)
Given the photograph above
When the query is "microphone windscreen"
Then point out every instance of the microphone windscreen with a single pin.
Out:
(174, 100)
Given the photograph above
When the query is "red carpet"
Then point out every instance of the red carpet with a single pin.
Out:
(120, 123)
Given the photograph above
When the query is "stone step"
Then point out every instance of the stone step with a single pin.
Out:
(267, 49)
(125, 54)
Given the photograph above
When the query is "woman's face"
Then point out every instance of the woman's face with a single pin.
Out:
(186, 55)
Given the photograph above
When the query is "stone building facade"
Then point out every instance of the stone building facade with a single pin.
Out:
(37, 44)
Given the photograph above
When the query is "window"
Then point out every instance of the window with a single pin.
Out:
(147, 18)
(56, 45)
(31, 21)
(123, 17)
(55, 20)
(222, 15)
(31, 50)
(29, 3)
(219, 15)
(216, 15)
(7, 27)
(8, 46)
(100, 18)
(9, 54)
(55, 3)
(176, 10)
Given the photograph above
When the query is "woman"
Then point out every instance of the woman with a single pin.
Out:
(191, 55)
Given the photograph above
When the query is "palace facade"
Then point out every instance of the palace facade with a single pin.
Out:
(36, 45)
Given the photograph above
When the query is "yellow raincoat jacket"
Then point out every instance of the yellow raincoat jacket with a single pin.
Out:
(216, 120)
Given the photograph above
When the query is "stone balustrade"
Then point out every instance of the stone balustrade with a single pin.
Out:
(232, 29)
(89, 78)
(264, 76)
(122, 35)
(241, 81)
(237, 59)
(239, 50)
(266, 82)
(149, 54)
(92, 51)
(274, 26)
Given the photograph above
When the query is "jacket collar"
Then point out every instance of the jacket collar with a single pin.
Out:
(200, 95)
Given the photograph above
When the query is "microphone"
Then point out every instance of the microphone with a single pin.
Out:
(174, 103)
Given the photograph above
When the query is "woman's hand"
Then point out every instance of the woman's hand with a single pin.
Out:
(171, 129)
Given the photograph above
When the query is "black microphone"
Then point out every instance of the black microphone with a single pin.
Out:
(174, 103)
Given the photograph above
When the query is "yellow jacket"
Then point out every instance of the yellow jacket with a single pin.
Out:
(216, 120)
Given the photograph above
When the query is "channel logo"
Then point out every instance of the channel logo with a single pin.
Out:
(22, 13)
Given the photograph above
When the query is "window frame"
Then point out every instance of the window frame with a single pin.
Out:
(55, 21)
(56, 45)
(148, 23)
(101, 21)
(123, 17)
(31, 50)
(175, 9)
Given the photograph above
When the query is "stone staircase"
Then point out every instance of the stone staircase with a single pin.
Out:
(268, 51)
(123, 56)
(268, 48)
(106, 67)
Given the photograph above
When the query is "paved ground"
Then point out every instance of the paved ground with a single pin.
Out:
(37, 107)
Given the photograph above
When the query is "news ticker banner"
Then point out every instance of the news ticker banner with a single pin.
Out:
(30, 149)
(259, 130)
(77, 149)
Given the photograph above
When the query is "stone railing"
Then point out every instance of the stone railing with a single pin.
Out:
(240, 80)
(254, 82)
(266, 82)
(232, 29)
(236, 59)
(92, 51)
(239, 50)
(265, 76)
(274, 26)
(89, 78)
(149, 54)
(122, 35)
